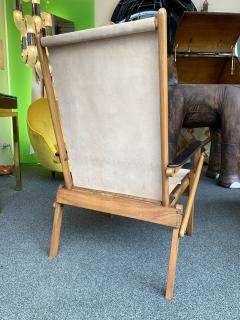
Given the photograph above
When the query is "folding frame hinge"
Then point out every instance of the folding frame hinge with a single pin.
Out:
(56, 158)
(179, 209)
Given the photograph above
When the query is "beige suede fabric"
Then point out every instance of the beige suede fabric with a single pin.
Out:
(110, 31)
(107, 83)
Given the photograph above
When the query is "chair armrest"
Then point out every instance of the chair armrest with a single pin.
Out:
(186, 154)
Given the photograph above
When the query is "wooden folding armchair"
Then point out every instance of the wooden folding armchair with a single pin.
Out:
(112, 87)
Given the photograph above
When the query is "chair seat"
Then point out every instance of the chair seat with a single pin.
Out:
(177, 179)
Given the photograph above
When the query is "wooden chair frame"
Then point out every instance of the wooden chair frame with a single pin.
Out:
(8, 113)
(166, 212)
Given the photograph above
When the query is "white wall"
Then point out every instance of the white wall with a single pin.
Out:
(104, 8)
(5, 123)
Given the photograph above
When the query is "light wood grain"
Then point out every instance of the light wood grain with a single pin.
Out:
(8, 113)
(172, 264)
(177, 193)
(57, 221)
(194, 164)
(191, 197)
(163, 82)
(120, 205)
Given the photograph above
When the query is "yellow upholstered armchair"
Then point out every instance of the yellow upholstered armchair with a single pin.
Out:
(41, 134)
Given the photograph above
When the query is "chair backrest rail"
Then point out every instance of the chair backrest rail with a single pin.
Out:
(163, 82)
(100, 33)
(54, 113)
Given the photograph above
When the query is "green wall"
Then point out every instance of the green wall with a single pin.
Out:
(20, 82)
(5, 123)
(81, 12)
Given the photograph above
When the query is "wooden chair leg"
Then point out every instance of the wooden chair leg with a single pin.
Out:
(194, 163)
(16, 153)
(57, 221)
(172, 264)
(190, 223)
(53, 174)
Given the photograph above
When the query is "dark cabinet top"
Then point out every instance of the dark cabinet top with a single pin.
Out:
(8, 102)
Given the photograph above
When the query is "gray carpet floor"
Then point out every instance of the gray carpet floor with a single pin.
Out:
(114, 269)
